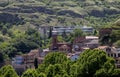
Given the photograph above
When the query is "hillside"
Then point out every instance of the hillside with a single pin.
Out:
(19, 17)
(59, 12)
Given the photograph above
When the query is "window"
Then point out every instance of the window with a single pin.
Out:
(114, 55)
(111, 55)
(117, 61)
(108, 49)
(118, 54)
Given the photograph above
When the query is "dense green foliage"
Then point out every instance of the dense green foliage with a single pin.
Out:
(60, 12)
(15, 41)
(19, 33)
(91, 63)
(30, 73)
(19, 23)
(8, 71)
(114, 37)
(55, 58)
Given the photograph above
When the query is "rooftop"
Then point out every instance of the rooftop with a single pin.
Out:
(91, 37)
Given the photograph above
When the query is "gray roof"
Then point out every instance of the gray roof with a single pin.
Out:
(92, 42)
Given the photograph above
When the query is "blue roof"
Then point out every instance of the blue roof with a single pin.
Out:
(74, 57)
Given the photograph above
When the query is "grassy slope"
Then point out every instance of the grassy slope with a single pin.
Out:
(64, 12)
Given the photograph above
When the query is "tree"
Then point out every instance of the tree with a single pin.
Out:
(106, 40)
(33, 36)
(30, 31)
(42, 75)
(60, 38)
(55, 58)
(30, 73)
(36, 63)
(55, 71)
(1, 57)
(115, 35)
(117, 43)
(55, 63)
(64, 35)
(41, 68)
(4, 30)
(78, 33)
(7, 49)
(95, 32)
(107, 69)
(8, 71)
(50, 32)
(24, 45)
(75, 70)
(93, 62)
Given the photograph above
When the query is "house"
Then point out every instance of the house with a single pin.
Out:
(45, 52)
(70, 29)
(65, 47)
(60, 46)
(25, 61)
(61, 29)
(92, 42)
(85, 42)
(112, 52)
(78, 43)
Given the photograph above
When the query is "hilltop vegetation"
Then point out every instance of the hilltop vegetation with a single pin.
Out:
(60, 12)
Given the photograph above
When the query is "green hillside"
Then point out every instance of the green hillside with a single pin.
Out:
(60, 12)
(20, 19)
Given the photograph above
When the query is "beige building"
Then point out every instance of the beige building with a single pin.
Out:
(85, 42)
(112, 52)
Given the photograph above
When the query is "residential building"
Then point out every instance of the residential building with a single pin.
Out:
(112, 52)
(92, 42)
(60, 46)
(85, 42)
(87, 30)
(78, 43)
(59, 30)
(23, 62)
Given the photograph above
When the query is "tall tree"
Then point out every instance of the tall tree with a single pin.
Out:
(1, 57)
(30, 73)
(55, 58)
(8, 71)
(50, 32)
(55, 70)
(42, 75)
(78, 33)
(91, 62)
(36, 63)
